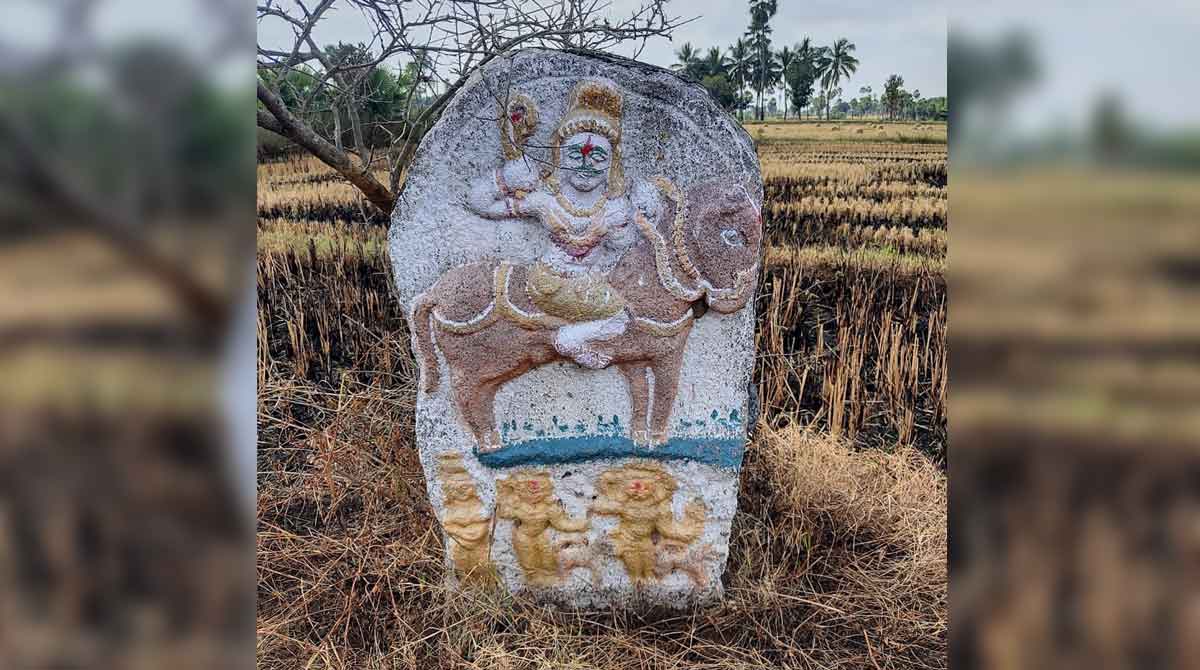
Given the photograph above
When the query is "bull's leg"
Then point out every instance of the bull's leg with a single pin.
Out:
(466, 393)
(666, 373)
(482, 413)
(636, 375)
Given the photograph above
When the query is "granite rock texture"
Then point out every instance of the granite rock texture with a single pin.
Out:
(577, 245)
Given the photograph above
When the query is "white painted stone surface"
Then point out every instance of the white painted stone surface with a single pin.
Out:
(669, 128)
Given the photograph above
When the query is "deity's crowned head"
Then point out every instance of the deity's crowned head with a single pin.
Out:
(587, 141)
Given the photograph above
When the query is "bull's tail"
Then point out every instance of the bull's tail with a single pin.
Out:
(423, 338)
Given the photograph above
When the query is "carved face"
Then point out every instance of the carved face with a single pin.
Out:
(725, 241)
(458, 491)
(638, 485)
(531, 488)
(641, 488)
(584, 161)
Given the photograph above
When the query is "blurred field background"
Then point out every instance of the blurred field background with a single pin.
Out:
(126, 177)
(839, 557)
(1074, 534)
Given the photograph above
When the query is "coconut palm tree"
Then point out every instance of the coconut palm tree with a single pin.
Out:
(759, 34)
(685, 59)
(821, 64)
(714, 62)
(786, 57)
(805, 53)
(767, 73)
(741, 62)
(837, 61)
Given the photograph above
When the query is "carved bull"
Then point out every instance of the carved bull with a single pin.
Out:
(703, 251)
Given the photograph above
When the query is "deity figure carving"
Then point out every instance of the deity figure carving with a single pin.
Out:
(640, 495)
(469, 529)
(581, 200)
(697, 247)
(527, 499)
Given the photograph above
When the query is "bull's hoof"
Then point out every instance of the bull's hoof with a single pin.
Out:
(641, 438)
(658, 438)
(490, 443)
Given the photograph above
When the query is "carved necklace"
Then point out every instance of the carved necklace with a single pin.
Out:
(566, 204)
(562, 233)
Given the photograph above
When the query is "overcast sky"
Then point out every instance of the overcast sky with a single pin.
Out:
(1146, 53)
(907, 38)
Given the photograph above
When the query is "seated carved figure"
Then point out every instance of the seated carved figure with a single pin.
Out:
(702, 250)
(640, 494)
(581, 200)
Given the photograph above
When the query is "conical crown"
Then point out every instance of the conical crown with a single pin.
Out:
(595, 106)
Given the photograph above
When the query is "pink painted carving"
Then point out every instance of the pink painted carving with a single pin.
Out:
(701, 251)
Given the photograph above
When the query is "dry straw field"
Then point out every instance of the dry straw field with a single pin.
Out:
(839, 554)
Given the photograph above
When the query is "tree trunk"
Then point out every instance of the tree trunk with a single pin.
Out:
(355, 128)
(337, 128)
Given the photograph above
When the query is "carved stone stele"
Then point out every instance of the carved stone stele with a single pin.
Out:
(577, 246)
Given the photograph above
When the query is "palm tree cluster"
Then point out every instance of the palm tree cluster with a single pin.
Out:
(742, 76)
(752, 64)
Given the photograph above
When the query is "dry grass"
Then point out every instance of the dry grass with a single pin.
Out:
(838, 553)
(837, 560)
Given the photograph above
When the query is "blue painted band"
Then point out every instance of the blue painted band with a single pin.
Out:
(719, 452)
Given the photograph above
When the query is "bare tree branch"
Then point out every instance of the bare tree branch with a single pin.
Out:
(444, 41)
(289, 126)
(121, 229)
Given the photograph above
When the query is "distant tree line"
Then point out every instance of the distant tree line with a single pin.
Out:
(749, 73)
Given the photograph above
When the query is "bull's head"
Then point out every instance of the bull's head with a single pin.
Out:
(723, 238)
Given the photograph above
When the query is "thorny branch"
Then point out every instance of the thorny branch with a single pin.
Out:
(445, 40)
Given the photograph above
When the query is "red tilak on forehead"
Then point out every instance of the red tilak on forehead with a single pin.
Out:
(587, 147)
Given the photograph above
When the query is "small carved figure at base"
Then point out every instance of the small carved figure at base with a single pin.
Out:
(469, 529)
(527, 498)
(640, 494)
(674, 556)
(580, 552)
